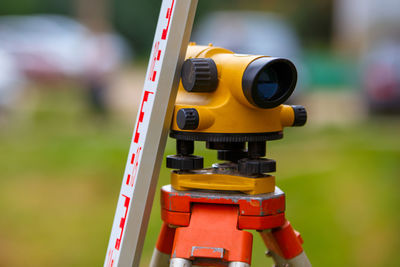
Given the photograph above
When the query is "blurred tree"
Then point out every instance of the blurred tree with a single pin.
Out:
(313, 20)
(94, 14)
(137, 19)
(24, 7)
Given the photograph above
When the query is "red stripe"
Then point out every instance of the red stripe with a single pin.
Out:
(133, 158)
(141, 115)
(122, 223)
(169, 12)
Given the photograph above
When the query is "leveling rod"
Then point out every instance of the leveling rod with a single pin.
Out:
(149, 137)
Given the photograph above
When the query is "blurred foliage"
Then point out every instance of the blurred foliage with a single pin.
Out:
(311, 18)
(137, 20)
(26, 7)
(61, 170)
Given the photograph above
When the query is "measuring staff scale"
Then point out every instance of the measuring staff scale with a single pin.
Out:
(232, 102)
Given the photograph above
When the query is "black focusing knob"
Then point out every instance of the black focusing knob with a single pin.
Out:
(187, 119)
(180, 162)
(199, 75)
(256, 166)
(300, 115)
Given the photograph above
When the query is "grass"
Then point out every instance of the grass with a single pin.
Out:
(61, 168)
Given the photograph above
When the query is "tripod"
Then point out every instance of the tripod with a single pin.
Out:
(234, 104)
(205, 227)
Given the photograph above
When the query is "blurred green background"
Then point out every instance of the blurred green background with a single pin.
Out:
(62, 158)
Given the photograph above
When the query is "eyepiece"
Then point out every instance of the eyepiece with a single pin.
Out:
(268, 82)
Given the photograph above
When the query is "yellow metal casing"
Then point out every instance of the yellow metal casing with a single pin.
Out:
(226, 110)
(224, 182)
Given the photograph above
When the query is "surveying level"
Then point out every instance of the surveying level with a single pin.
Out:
(235, 104)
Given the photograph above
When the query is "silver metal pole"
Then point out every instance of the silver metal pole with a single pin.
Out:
(159, 259)
(300, 260)
(238, 264)
(178, 262)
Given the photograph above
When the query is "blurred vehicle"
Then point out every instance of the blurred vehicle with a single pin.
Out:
(381, 76)
(52, 47)
(252, 33)
(11, 81)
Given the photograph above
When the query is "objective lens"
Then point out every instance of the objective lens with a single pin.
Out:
(268, 82)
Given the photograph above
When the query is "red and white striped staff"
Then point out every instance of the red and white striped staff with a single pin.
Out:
(150, 133)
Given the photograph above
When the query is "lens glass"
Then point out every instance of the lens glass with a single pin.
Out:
(267, 84)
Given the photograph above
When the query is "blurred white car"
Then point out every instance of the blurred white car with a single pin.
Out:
(257, 33)
(52, 46)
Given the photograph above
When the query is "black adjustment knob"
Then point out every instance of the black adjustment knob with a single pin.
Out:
(256, 166)
(232, 155)
(300, 116)
(184, 147)
(187, 119)
(199, 75)
(180, 162)
(257, 149)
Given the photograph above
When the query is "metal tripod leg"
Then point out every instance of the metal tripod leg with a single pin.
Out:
(159, 259)
(285, 246)
(163, 249)
(178, 262)
(238, 264)
(300, 260)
